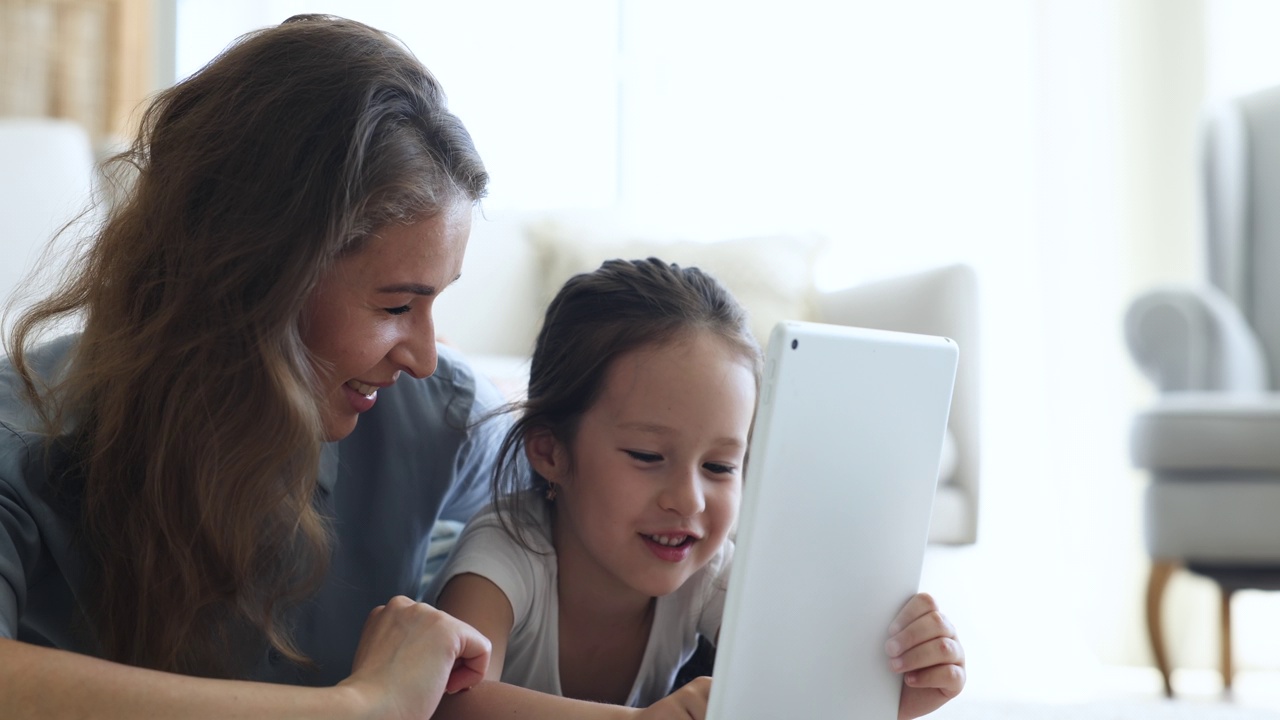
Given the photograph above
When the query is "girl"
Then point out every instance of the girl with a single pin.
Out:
(603, 560)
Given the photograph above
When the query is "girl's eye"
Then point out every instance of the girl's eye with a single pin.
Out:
(398, 310)
(643, 456)
(718, 468)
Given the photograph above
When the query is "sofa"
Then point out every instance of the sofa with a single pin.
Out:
(515, 262)
(46, 178)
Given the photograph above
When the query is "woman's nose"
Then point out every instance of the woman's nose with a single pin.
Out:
(416, 353)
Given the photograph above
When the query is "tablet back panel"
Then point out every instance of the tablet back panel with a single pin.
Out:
(835, 518)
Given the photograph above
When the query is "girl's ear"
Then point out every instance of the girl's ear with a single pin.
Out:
(547, 455)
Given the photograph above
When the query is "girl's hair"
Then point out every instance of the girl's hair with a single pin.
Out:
(190, 403)
(596, 317)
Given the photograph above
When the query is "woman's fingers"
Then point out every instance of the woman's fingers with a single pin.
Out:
(472, 660)
(411, 653)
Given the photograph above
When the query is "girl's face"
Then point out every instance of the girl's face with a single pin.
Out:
(369, 318)
(657, 467)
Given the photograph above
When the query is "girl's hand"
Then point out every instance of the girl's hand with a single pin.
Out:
(687, 703)
(923, 646)
(409, 655)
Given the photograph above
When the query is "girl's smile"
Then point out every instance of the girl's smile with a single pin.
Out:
(672, 548)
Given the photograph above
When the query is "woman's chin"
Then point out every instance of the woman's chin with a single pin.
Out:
(338, 428)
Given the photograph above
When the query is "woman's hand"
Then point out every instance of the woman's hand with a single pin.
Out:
(923, 646)
(409, 655)
(687, 703)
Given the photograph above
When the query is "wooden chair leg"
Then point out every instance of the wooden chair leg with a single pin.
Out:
(1227, 670)
(1161, 571)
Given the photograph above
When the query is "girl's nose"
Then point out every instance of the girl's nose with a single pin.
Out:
(683, 494)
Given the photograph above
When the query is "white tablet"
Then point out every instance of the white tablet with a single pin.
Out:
(835, 519)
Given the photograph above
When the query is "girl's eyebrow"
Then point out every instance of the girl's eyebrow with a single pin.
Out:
(653, 428)
(656, 429)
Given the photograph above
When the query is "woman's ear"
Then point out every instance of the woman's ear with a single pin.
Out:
(547, 455)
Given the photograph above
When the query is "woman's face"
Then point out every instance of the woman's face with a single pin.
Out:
(369, 318)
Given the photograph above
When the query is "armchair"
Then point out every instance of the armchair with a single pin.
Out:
(1210, 439)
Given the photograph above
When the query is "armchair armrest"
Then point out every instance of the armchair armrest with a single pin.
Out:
(1194, 338)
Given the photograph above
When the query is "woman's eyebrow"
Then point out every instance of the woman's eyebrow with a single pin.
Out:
(413, 288)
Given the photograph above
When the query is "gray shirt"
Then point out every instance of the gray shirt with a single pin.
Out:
(414, 457)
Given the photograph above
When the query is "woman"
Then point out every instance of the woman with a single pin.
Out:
(242, 453)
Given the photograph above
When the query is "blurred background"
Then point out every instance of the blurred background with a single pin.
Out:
(1053, 145)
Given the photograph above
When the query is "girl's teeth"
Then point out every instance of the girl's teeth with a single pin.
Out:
(365, 390)
(668, 540)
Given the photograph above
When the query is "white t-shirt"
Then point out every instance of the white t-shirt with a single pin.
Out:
(529, 582)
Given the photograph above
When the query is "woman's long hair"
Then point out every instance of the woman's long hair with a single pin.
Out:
(190, 401)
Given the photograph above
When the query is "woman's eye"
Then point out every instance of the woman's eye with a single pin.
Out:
(644, 456)
(718, 468)
(398, 310)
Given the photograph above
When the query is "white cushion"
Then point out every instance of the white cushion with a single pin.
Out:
(952, 516)
(492, 308)
(510, 373)
(771, 276)
(950, 458)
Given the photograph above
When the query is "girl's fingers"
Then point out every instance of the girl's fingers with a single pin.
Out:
(938, 651)
(687, 703)
(921, 630)
(923, 646)
(946, 679)
(918, 606)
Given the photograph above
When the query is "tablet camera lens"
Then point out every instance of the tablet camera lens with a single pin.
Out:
(794, 343)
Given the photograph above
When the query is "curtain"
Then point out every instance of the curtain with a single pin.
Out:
(82, 60)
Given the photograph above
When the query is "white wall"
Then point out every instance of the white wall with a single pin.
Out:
(534, 82)
(898, 129)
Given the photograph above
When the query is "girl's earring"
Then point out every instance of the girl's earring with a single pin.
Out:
(551, 492)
